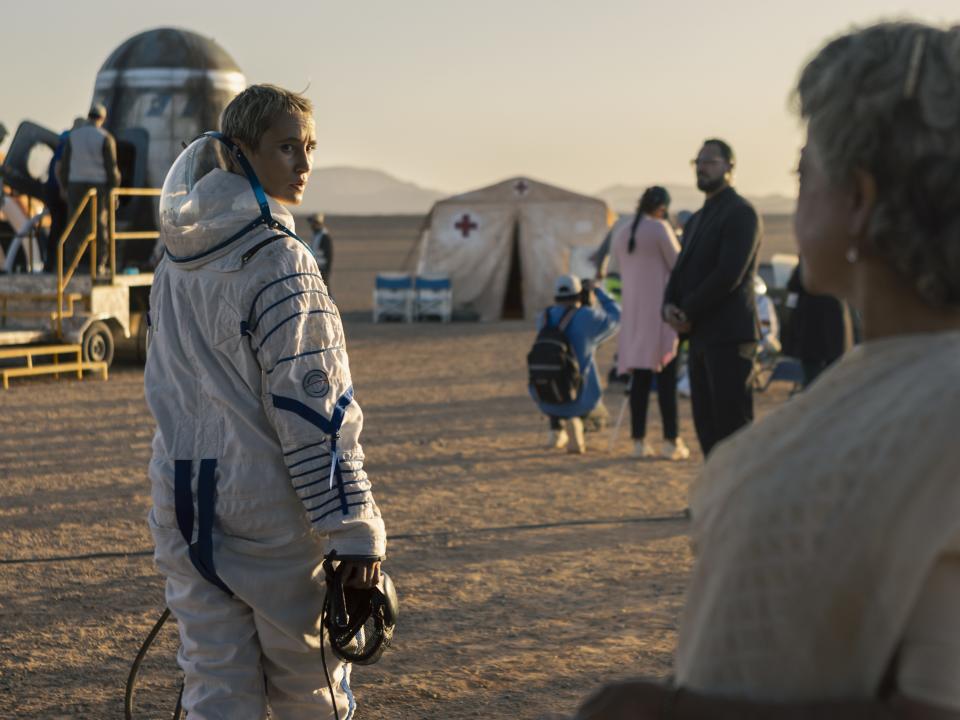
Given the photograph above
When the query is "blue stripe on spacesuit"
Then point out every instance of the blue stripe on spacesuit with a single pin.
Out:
(310, 471)
(312, 482)
(206, 497)
(327, 502)
(283, 300)
(298, 488)
(349, 505)
(301, 462)
(183, 498)
(340, 409)
(285, 321)
(351, 701)
(315, 508)
(304, 354)
(274, 282)
(320, 469)
(305, 447)
(331, 427)
(201, 551)
(315, 457)
(306, 412)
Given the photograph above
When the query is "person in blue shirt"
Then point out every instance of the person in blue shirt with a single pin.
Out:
(590, 326)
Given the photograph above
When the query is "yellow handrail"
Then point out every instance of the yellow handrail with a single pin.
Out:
(112, 233)
(90, 200)
(63, 280)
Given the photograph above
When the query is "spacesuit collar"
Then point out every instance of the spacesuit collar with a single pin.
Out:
(271, 216)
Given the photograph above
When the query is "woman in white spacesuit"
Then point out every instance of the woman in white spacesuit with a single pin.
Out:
(257, 470)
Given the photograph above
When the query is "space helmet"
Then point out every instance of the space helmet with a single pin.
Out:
(212, 198)
(360, 622)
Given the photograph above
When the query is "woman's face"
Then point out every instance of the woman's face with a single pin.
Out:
(821, 223)
(284, 158)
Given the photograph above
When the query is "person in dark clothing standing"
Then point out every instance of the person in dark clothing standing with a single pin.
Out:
(56, 206)
(710, 298)
(820, 329)
(322, 247)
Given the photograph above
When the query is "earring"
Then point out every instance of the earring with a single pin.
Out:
(852, 254)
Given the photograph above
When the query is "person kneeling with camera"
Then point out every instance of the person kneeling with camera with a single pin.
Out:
(564, 381)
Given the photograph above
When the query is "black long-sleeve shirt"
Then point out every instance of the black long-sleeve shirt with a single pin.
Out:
(712, 281)
(820, 328)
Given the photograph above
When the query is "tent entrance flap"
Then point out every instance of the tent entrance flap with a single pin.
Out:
(513, 295)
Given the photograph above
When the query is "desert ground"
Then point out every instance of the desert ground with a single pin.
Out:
(527, 576)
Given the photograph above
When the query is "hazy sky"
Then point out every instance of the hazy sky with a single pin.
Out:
(454, 95)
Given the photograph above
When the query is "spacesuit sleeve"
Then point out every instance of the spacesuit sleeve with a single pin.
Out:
(296, 335)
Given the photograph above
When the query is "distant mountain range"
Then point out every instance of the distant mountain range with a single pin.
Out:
(623, 199)
(361, 191)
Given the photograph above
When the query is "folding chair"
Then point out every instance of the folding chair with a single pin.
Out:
(787, 370)
(393, 297)
(434, 297)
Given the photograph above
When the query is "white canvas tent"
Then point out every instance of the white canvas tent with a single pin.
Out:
(504, 245)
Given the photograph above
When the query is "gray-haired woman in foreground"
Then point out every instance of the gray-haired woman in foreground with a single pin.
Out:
(827, 536)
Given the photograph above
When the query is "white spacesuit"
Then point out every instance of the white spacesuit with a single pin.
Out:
(257, 469)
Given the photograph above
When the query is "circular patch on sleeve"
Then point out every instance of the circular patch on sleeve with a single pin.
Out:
(316, 384)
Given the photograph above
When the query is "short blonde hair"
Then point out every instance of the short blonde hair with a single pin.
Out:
(251, 113)
(886, 100)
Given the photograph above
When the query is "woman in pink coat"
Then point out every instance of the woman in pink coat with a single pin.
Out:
(646, 251)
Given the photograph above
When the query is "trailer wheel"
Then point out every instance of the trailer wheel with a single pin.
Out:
(98, 343)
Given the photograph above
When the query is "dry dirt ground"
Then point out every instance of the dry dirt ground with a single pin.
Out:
(527, 576)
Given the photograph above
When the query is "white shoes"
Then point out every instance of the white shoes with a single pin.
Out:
(676, 450)
(558, 439)
(672, 450)
(643, 449)
(574, 430)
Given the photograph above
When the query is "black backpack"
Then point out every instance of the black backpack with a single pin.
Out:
(552, 364)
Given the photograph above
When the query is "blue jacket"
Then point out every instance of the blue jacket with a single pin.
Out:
(52, 185)
(589, 327)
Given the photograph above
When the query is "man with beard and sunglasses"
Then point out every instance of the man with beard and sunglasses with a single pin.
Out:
(710, 298)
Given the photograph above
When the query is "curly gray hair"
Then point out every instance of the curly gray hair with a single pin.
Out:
(886, 100)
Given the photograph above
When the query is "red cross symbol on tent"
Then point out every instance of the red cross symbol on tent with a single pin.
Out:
(465, 225)
(520, 187)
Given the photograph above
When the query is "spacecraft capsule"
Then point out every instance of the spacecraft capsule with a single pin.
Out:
(161, 89)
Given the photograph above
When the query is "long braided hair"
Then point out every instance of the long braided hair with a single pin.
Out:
(652, 198)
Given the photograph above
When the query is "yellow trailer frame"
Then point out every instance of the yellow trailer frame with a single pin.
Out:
(89, 241)
(109, 292)
(55, 368)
